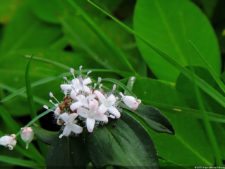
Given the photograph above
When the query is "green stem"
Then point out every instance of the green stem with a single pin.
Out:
(29, 90)
(36, 119)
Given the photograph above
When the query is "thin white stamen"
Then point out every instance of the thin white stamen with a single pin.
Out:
(46, 107)
(52, 96)
(114, 87)
(65, 78)
(55, 104)
(89, 72)
(72, 71)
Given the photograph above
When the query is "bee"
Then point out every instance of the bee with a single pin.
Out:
(66, 103)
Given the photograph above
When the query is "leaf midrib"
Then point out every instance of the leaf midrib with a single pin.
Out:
(169, 31)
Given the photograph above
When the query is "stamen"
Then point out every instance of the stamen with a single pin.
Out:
(46, 107)
(89, 72)
(72, 71)
(55, 104)
(80, 70)
(65, 78)
(80, 67)
(52, 96)
(121, 94)
(114, 87)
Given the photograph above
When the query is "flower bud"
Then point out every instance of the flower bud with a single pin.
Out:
(131, 102)
(27, 135)
(8, 141)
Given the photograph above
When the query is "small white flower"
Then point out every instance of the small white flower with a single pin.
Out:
(79, 84)
(92, 114)
(107, 104)
(27, 135)
(69, 124)
(81, 101)
(8, 141)
(131, 101)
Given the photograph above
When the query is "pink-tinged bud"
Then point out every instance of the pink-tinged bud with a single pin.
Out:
(8, 141)
(27, 135)
(131, 102)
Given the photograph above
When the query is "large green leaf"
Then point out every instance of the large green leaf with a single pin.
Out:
(155, 119)
(170, 25)
(24, 32)
(48, 137)
(68, 152)
(189, 146)
(122, 143)
(83, 31)
(186, 88)
(7, 9)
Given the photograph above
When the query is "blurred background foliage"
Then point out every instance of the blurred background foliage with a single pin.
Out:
(61, 34)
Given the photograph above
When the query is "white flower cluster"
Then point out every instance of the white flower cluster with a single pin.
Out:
(86, 104)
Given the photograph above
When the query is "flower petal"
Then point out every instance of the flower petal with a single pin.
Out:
(90, 124)
(93, 105)
(64, 117)
(100, 96)
(73, 95)
(86, 89)
(101, 117)
(66, 132)
(111, 100)
(72, 116)
(82, 112)
(115, 112)
(75, 106)
(87, 81)
(57, 111)
(102, 109)
(76, 129)
(76, 84)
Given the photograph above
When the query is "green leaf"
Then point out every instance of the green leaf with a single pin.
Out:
(85, 32)
(186, 89)
(175, 149)
(17, 162)
(155, 119)
(177, 22)
(44, 135)
(7, 9)
(208, 6)
(122, 143)
(29, 93)
(49, 11)
(67, 152)
(24, 32)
